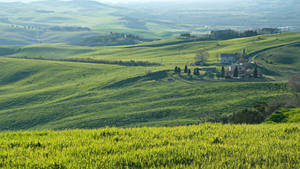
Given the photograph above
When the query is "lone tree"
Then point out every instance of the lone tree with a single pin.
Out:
(223, 72)
(236, 72)
(255, 72)
(185, 69)
(201, 57)
(189, 72)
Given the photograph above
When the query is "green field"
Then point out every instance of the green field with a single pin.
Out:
(37, 92)
(200, 146)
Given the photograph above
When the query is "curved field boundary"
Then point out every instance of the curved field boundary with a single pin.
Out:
(121, 63)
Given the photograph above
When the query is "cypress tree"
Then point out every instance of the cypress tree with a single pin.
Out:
(255, 72)
(179, 70)
(176, 69)
(185, 69)
(196, 72)
(236, 72)
(223, 72)
(189, 71)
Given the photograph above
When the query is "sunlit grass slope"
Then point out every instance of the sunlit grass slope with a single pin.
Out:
(284, 60)
(203, 146)
(45, 94)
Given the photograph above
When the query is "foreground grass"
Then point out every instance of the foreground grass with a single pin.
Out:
(203, 146)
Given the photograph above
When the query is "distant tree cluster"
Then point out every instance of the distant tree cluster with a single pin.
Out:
(238, 71)
(111, 39)
(186, 35)
(196, 72)
(187, 70)
(230, 34)
(51, 28)
(177, 70)
(68, 28)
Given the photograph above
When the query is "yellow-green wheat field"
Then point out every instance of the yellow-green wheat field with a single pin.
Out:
(199, 146)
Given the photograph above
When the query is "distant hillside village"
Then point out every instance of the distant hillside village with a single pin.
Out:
(232, 65)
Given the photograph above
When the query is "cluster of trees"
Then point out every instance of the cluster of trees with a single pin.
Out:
(230, 34)
(111, 39)
(26, 27)
(68, 28)
(236, 73)
(51, 28)
(186, 35)
(221, 74)
(177, 70)
(187, 70)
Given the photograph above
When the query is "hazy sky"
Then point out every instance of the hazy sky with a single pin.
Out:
(107, 1)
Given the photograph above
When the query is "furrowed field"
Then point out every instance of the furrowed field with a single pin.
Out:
(203, 146)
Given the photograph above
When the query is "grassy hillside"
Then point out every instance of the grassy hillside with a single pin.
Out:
(285, 116)
(203, 146)
(39, 93)
(283, 60)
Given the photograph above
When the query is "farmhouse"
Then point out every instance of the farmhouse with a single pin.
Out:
(229, 58)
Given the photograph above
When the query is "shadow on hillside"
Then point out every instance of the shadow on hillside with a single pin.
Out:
(148, 77)
(18, 76)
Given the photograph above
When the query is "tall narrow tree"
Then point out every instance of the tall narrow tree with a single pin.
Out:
(185, 69)
(196, 72)
(255, 72)
(179, 70)
(189, 71)
(223, 72)
(236, 72)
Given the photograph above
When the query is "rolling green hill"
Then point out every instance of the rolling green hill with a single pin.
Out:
(284, 60)
(201, 146)
(38, 90)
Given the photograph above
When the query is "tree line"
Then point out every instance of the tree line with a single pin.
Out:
(117, 62)
(186, 70)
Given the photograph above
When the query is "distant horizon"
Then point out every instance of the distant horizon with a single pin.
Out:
(115, 1)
